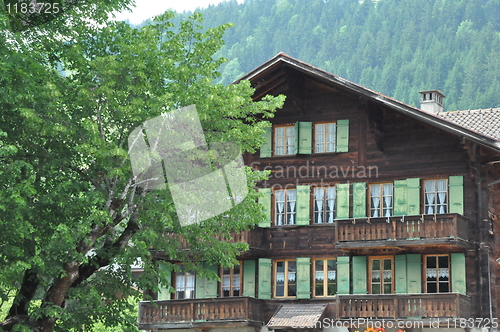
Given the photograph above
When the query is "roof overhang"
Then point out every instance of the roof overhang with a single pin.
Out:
(283, 61)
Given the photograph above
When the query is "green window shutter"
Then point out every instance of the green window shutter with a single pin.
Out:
(359, 200)
(304, 136)
(265, 278)
(359, 275)
(343, 275)
(343, 200)
(400, 205)
(164, 291)
(266, 149)
(414, 273)
(303, 205)
(249, 278)
(303, 278)
(458, 284)
(413, 195)
(342, 135)
(205, 287)
(456, 184)
(265, 201)
(400, 267)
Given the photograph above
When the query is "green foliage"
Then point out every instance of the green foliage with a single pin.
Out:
(396, 47)
(73, 219)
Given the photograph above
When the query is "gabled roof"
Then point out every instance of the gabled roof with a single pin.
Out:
(273, 73)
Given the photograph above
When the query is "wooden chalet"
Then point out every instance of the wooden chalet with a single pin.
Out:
(377, 211)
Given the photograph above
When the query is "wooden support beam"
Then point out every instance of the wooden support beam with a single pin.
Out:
(376, 122)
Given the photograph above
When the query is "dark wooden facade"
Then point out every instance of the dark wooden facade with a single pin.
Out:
(388, 142)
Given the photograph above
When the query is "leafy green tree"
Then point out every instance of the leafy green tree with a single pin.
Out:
(74, 219)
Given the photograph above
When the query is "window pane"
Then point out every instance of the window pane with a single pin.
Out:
(431, 288)
(387, 264)
(443, 261)
(375, 289)
(319, 289)
(332, 289)
(444, 287)
(332, 268)
(280, 290)
(376, 264)
(431, 262)
(387, 289)
(319, 265)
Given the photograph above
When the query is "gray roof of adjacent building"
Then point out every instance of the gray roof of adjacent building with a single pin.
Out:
(482, 121)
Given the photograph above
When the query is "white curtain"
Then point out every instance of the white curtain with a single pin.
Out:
(441, 188)
(332, 275)
(226, 282)
(280, 206)
(330, 137)
(179, 283)
(387, 275)
(292, 197)
(320, 137)
(375, 195)
(430, 196)
(320, 275)
(376, 275)
(280, 142)
(387, 193)
(331, 194)
(443, 273)
(291, 276)
(280, 277)
(236, 282)
(189, 286)
(318, 198)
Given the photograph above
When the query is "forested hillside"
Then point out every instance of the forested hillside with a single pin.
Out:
(396, 47)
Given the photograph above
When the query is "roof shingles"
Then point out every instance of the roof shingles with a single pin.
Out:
(297, 315)
(482, 121)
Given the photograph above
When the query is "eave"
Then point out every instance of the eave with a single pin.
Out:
(260, 76)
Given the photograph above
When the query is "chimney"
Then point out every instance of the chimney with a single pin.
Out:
(432, 101)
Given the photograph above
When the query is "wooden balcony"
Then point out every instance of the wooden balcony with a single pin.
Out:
(447, 229)
(404, 306)
(192, 313)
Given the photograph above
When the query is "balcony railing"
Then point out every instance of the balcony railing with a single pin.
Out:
(421, 227)
(398, 306)
(189, 311)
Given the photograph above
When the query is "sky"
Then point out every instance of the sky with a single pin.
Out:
(147, 8)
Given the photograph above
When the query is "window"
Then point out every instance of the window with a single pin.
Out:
(437, 274)
(381, 200)
(285, 279)
(325, 277)
(325, 134)
(435, 195)
(324, 205)
(284, 140)
(381, 275)
(230, 284)
(184, 284)
(286, 206)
